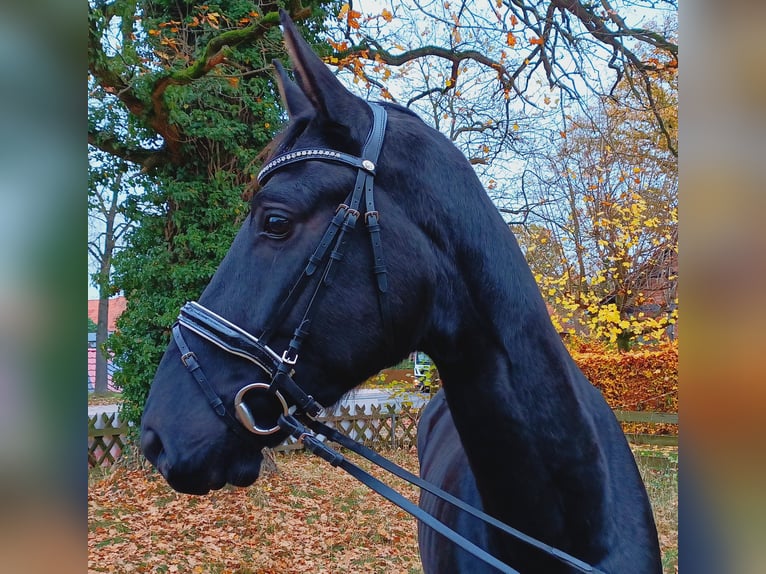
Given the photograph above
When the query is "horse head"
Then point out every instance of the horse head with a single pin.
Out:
(325, 317)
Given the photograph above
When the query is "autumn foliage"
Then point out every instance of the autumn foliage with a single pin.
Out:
(306, 517)
(644, 380)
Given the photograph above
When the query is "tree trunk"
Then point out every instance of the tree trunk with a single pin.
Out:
(102, 332)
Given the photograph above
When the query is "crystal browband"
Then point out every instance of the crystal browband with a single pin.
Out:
(321, 154)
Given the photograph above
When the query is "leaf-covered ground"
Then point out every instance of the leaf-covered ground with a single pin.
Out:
(307, 517)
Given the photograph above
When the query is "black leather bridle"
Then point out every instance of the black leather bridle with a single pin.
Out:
(299, 409)
(329, 251)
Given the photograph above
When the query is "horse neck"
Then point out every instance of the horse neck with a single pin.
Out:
(520, 404)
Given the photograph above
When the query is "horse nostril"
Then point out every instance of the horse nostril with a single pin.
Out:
(151, 445)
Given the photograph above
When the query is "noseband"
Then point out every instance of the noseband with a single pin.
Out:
(235, 340)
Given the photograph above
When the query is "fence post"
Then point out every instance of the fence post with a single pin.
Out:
(393, 428)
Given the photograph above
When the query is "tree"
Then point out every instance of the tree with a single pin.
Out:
(193, 87)
(512, 80)
(493, 76)
(604, 241)
(502, 49)
(106, 188)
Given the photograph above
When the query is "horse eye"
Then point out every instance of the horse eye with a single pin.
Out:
(277, 226)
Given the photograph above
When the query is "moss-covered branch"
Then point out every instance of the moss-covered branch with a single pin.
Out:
(146, 158)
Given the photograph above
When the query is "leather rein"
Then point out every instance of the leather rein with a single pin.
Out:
(299, 410)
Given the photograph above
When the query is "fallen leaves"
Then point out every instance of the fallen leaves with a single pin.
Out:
(308, 517)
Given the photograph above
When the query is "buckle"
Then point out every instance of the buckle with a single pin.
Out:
(190, 356)
(287, 359)
(369, 214)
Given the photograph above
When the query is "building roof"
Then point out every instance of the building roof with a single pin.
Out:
(116, 307)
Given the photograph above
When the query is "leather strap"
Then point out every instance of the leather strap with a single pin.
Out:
(189, 359)
(315, 446)
(339, 438)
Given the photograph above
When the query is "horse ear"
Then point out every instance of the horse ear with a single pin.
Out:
(293, 97)
(328, 96)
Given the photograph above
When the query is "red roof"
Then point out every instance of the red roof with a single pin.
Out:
(116, 307)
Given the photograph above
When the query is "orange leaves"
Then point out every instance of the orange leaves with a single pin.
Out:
(641, 380)
(338, 46)
(536, 41)
(307, 518)
(350, 16)
(387, 15)
(510, 39)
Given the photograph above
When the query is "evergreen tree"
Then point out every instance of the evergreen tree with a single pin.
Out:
(193, 84)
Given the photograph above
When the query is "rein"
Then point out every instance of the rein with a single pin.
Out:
(298, 410)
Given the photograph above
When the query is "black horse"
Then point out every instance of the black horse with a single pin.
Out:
(517, 430)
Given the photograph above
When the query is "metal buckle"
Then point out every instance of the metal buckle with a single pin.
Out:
(246, 417)
(369, 214)
(189, 355)
(287, 359)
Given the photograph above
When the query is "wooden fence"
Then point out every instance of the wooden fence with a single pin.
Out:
(106, 439)
(380, 427)
(635, 424)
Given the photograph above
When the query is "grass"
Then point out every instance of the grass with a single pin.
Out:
(659, 470)
(304, 518)
(108, 398)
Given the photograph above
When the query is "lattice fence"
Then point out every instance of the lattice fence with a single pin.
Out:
(106, 439)
(381, 427)
(378, 426)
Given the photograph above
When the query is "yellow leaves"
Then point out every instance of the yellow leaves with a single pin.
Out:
(515, 126)
(212, 19)
(387, 15)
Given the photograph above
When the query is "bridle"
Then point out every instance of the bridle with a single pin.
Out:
(280, 367)
(299, 410)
